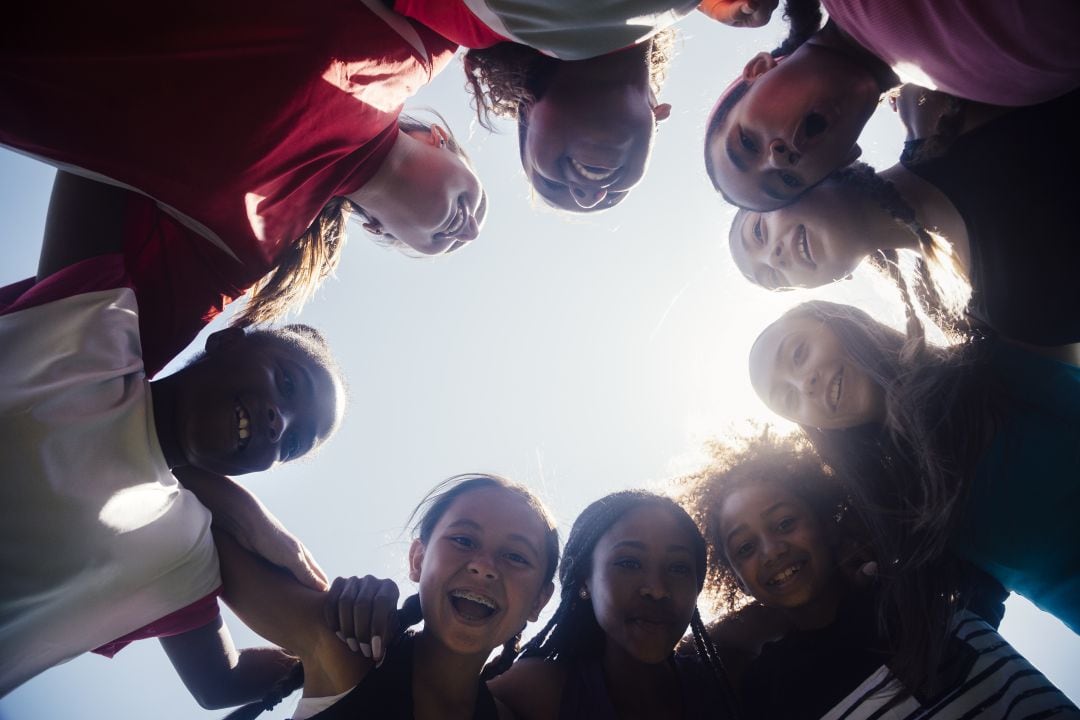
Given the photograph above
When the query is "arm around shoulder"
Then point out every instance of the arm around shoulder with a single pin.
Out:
(532, 688)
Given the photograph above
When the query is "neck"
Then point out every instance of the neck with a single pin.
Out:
(933, 210)
(387, 185)
(819, 612)
(638, 689)
(831, 37)
(444, 683)
(163, 397)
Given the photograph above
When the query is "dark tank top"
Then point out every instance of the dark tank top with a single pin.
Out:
(386, 693)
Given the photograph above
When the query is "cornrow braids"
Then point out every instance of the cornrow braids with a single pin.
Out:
(287, 685)
(711, 656)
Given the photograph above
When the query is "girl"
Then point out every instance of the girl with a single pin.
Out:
(971, 447)
(633, 567)
(484, 556)
(963, 211)
(777, 523)
(583, 93)
(762, 153)
(101, 545)
(256, 125)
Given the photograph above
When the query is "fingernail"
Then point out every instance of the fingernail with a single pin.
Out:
(376, 648)
(340, 636)
(351, 642)
(365, 649)
(379, 664)
(869, 568)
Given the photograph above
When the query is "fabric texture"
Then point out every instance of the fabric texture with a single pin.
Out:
(386, 692)
(585, 694)
(565, 29)
(1018, 522)
(999, 684)
(97, 538)
(241, 119)
(1017, 202)
(1005, 52)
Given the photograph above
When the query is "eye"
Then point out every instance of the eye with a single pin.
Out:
(518, 559)
(462, 541)
(786, 525)
(801, 352)
(287, 384)
(628, 563)
(291, 446)
(747, 142)
(758, 234)
(744, 550)
(681, 569)
(790, 180)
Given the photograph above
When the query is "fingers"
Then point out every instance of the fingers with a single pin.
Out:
(318, 579)
(362, 612)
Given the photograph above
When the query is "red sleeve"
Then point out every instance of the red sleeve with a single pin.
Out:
(451, 19)
(103, 272)
(180, 279)
(195, 615)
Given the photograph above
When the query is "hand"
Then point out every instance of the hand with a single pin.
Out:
(740, 13)
(363, 614)
(243, 516)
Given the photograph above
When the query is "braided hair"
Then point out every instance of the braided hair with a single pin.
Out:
(573, 631)
(292, 681)
(940, 286)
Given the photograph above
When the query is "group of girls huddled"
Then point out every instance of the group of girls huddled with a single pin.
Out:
(858, 567)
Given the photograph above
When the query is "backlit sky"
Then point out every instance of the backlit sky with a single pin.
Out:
(578, 354)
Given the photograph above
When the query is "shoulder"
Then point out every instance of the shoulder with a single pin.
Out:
(531, 688)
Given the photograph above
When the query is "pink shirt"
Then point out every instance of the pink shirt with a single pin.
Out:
(1001, 52)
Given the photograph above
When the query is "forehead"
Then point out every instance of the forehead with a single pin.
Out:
(325, 396)
(651, 524)
(764, 353)
(755, 502)
(496, 511)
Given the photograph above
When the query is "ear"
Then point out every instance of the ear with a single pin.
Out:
(223, 338)
(438, 136)
(373, 226)
(758, 66)
(541, 601)
(853, 154)
(416, 559)
(661, 112)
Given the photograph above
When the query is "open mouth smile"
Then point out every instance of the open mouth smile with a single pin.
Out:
(835, 387)
(457, 223)
(472, 606)
(592, 173)
(243, 425)
(785, 576)
(802, 247)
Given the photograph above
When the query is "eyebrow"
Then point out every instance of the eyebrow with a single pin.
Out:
(638, 545)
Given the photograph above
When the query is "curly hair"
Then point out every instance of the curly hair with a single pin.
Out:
(788, 462)
(302, 267)
(506, 79)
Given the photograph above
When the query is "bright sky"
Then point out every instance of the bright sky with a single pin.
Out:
(579, 355)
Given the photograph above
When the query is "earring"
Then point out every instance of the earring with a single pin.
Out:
(583, 593)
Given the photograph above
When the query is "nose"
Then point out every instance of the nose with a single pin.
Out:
(275, 424)
(483, 565)
(782, 154)
(587, 197)
(774, 547)
(809, 382)
(654, 587)
(777, 256)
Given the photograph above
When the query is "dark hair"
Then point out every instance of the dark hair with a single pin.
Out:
(573, 631)
(301, 268)
(909, 474)
(804, 19)
(506, 79)
(763, 457)
(434, 506)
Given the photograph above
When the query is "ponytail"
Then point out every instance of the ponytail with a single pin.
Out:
(502, 663)
(287, 685)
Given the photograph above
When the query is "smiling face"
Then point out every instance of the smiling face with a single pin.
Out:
(585, 146)
(801, 371)
(643, 584)
(777, 546)
(798, 122)
(437, 204)
(253, 401)
(482, 571)
(820, 238)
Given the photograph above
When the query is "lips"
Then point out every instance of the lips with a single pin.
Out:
(472, 606)
(801, 246)
(836, 386)
(786, 575)
(457, 222)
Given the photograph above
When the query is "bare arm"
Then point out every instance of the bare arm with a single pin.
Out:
(532, 688)
(219, 676)
(86, 219)
(238, 512)
(283, 611)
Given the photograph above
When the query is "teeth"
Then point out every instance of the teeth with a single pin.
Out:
(783, 575)
(243, 423)
(834, 390)
(474, 597)
(591, 173)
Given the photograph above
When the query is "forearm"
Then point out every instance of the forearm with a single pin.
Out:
(251, 678)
